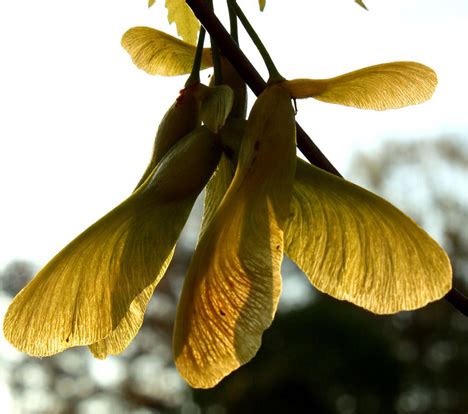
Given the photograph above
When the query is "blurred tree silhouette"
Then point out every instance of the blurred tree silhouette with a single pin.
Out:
(15, 276)
(320, 355)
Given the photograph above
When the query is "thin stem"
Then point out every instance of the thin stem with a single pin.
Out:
(229, 48)
(458, 300)
(218, 76)
(195, 74)
(272, 70)
(250, 75)
(233, 22)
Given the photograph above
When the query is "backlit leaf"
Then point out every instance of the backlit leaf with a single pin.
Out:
(181, 14)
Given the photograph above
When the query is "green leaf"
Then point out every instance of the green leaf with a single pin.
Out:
(187, 24)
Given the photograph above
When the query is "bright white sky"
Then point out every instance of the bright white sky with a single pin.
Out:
(78, 119)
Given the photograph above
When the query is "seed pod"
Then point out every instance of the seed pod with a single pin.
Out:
(231, 137)
(181, 118)
(187, 166)
(95, 291)
(269, 140)
(216, 104)
(177, 182)
(232, 288)
(232, 79)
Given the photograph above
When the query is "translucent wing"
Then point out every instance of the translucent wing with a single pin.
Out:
(158, 53)
(358, 247)
(82, 294)
(233, 284)
(379, 87)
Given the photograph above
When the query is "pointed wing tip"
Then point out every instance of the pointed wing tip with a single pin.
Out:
(201, 378)
(97, 353)
(361, 3)
(33, 348)
(32, 335)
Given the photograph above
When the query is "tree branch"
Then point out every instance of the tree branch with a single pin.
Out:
(250, 75)
(457, 300)
(252, 78)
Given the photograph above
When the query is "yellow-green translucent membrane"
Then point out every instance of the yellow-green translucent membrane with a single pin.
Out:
(181, 14)
(261, 4)
(205, 155)
(158, 53)
(92, 287)
(129, 325)
(356, 246)
(233, 283)
(231, 136)
(215, 190)
(386, 86)
(181, 118)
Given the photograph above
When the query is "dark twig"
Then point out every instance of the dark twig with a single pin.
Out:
(248, 72)
(250, 75)
(458, 300)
